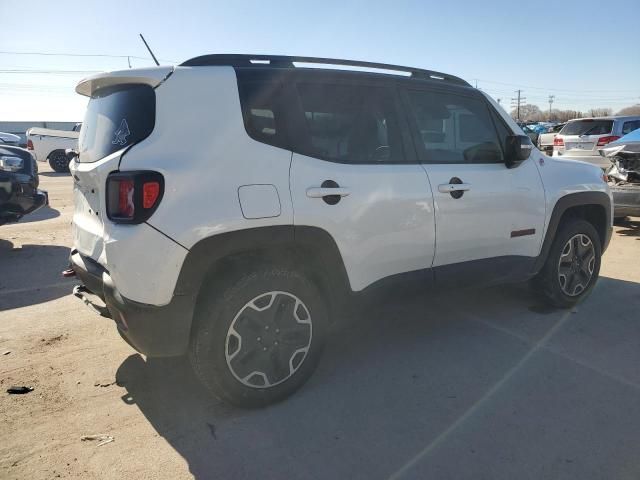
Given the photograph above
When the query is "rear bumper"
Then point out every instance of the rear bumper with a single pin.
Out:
(626, 200)
(155, 331)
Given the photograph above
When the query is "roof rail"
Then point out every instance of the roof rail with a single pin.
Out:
(286, 61)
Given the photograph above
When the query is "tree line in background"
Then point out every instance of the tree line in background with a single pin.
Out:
(533, 113)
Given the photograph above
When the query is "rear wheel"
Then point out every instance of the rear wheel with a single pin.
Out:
(258, 337)
(572, 267)
(58, 161)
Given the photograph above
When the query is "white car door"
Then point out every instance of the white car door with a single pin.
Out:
(489, 218)
(350, 176)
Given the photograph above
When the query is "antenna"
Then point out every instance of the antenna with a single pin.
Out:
(147, 45)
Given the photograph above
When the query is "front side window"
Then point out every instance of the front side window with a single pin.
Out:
(349, 124)
(454, 128)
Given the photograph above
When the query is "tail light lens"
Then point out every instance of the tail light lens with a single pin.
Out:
(602, 141)
(558, 142)
(132, 197)
(29, 145)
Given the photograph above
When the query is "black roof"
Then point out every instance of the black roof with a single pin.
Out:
(284, 61)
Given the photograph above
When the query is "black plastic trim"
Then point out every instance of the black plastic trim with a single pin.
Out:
(485, 272)
(157, 331)
(579, 199)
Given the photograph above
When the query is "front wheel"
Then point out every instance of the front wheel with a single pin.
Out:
(572, 267)
(258, 337)
(59, 162)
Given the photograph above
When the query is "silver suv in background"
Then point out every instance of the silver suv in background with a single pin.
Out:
(580, 139)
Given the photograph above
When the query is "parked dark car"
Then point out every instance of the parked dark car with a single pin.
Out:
(624, 173)
(19, 193)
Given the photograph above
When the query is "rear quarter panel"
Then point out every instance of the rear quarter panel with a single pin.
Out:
(200, 146)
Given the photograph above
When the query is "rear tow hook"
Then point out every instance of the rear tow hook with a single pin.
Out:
(83, 293)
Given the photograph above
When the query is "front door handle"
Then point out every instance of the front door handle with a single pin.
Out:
(329, 191)
(455, 187)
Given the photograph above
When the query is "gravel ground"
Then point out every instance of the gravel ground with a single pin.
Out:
(482, 384)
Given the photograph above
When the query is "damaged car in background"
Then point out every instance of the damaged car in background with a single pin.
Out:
(19, 193)
(624, 174)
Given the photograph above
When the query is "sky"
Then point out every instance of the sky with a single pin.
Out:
(585, 53)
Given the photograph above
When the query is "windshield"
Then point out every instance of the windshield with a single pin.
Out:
(116, 117)
(588, 127)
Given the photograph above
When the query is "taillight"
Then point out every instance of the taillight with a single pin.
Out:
(602, 141)
(132, 197)
(126, 208)
(29, 145)
(558, 142)
(150, 193)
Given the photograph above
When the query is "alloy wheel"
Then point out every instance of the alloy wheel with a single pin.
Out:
(576, 264)
(268, 339)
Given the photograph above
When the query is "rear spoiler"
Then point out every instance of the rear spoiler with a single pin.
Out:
(146, 76)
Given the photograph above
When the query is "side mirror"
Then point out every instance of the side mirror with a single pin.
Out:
(518, 149)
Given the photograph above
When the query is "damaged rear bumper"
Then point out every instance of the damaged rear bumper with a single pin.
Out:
(155, 331)
(626, 200)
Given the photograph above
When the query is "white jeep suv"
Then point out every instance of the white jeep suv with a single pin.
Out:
(308, 188)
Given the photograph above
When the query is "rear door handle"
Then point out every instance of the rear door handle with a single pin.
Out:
(319, 192)
(329, 191)
(454, 187)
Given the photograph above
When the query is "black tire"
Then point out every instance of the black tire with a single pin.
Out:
(549, 282)
(215, 346)
(58, 161)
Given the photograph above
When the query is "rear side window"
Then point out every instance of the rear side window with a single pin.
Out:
(628, 127)
(588, 127)
(455, 128)
(116, 117)
(263, 111)
(349, 124)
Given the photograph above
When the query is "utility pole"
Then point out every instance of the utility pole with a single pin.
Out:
(517, 102)
(551, 98)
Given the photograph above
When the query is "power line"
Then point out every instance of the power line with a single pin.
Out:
(53, 72)
(554, 89)
(52, 54)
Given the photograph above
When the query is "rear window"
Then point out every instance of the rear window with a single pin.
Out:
(588, 127)
(263, 112)
(116, 117)
(349, 124)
